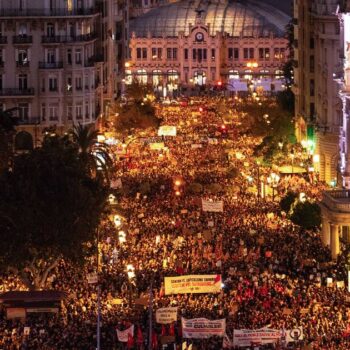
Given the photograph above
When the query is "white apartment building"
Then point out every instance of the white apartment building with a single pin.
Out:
(52, 62)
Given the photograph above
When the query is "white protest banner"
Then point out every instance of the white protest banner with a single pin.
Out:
(123, 335)
(293, 335)
(116, 184)
(166, 315)
(157, 146)
(202, 328)
(192, 284)
(92, 278)
(196, 145)
(167, 130)
(216, 207)
(249, 337)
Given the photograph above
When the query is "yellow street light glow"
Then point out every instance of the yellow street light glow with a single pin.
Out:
(177, 183)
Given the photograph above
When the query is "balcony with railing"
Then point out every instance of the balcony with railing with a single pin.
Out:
(3, 39)
(337, 200)
(28, 121)
(16, 92)
(51, 65)
(56, 39)
(47, 12)
(22, 39)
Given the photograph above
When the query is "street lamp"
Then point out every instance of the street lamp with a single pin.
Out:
(292, 155)
(273, 180)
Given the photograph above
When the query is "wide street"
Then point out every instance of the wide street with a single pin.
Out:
(188, 204)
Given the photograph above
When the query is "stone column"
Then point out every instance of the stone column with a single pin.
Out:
(325, 234)
(335, 248)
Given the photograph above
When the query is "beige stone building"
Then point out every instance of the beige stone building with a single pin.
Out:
(317, 63)
(56, 61)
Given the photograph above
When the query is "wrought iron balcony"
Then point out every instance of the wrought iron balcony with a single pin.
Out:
(46, 12)
(67, 38)
(51, 65)
(22, 39)
(29, 121)
(3, 39)
(16, 92)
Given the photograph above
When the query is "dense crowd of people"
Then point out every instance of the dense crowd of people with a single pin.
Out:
(274, 273)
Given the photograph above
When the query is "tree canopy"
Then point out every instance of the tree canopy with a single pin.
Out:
(49, 208)
(306, 214)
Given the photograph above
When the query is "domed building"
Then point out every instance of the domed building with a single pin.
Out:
(203, 42)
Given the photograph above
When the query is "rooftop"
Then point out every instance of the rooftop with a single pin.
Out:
(249, 18)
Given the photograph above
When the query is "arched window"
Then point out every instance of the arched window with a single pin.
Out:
(173, 76)
(128, 77)
(279, 74)
(264, 73)
(248, 74)
(200, 78)
(157, 77)
(141, 76)
(233, 74)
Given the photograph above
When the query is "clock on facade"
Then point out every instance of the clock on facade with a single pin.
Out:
(199, 36)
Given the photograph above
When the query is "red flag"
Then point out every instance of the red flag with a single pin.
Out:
(172, 329)
(139, 336)
(163, 330)
(154, 340)
(130, 342)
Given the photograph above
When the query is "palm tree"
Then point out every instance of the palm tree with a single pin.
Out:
(94, 155)
(7, 132)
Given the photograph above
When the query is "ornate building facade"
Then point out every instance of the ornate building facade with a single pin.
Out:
(318, 108)
(56, 61)
(203, 43)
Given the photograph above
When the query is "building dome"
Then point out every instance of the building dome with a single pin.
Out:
(249, 18)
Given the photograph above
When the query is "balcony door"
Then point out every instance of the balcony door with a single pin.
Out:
(22, 82)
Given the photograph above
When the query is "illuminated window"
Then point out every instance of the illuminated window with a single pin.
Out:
(142, 76)
(70, 5)
(233, 74)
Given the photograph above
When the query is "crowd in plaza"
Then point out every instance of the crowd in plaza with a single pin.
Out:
(274, 274)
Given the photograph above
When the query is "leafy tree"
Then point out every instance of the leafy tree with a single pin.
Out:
(287, 201)
(49, 209)
(136, 115)
(94, 155)
(306, 214)
(232, 172)
(195, 188)
(136, 91)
